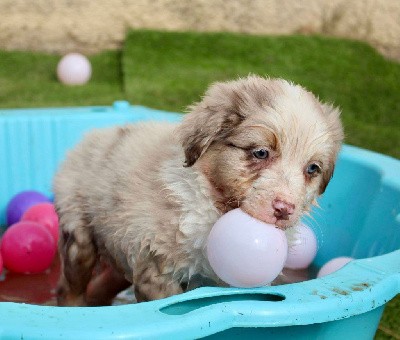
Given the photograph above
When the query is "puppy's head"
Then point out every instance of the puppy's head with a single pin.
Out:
(265, 145)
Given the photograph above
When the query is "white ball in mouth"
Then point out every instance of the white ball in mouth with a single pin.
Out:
(246, 252)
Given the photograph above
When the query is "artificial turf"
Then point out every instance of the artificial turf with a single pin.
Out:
(170, 70)
(29, 80)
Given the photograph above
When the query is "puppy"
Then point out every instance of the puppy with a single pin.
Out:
(142, 198)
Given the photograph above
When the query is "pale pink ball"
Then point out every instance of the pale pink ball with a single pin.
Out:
(334, 265)
(245, 252)
(74, 69)
(302, 247)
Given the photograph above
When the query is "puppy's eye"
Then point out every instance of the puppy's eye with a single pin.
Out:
(261, 154)
(313, 169)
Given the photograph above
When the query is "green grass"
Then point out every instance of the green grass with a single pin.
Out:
(171, 70)
(29, 80)
(389, 327)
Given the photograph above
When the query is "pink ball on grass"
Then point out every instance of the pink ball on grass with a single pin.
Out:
(302, 247)
(334, 265)
(246, 252)
(44, 214)
(21, 202)
(74, 69)
(27, 247)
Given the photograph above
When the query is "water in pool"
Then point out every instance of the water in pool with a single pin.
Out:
(41, 288)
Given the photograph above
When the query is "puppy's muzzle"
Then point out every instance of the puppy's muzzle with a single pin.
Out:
(282, 209)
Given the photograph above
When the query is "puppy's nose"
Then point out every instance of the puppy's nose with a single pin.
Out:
(282, 209)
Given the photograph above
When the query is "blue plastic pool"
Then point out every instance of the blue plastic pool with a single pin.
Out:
(359, 217)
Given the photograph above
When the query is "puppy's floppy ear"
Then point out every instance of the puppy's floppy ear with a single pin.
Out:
(210, 120)
(326, 177)
(336, 134)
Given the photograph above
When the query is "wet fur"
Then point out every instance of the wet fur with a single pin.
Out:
(141, 199)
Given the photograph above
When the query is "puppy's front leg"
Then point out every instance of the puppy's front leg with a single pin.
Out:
(153, 282)
(78, 257)
(105, 286)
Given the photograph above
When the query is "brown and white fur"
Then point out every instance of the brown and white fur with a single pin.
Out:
(142, 198)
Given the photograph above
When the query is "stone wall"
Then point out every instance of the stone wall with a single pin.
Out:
(89, 26)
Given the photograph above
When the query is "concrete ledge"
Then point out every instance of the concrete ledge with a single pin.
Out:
(88, 26)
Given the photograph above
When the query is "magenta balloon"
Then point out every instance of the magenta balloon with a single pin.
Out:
(27, 247)
(44, 214)
(245, 252)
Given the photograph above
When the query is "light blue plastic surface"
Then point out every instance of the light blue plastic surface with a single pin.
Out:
(359, 217)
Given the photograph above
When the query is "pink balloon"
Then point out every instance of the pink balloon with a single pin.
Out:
(74, 69)
(44, 214)
(27, 247)
(302, 249)
(245, 252)
(334, 265)
(1, 264)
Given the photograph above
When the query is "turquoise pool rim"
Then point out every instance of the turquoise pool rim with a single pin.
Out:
(360, 288)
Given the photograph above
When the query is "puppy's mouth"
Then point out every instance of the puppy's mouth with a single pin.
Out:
(281, 222)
